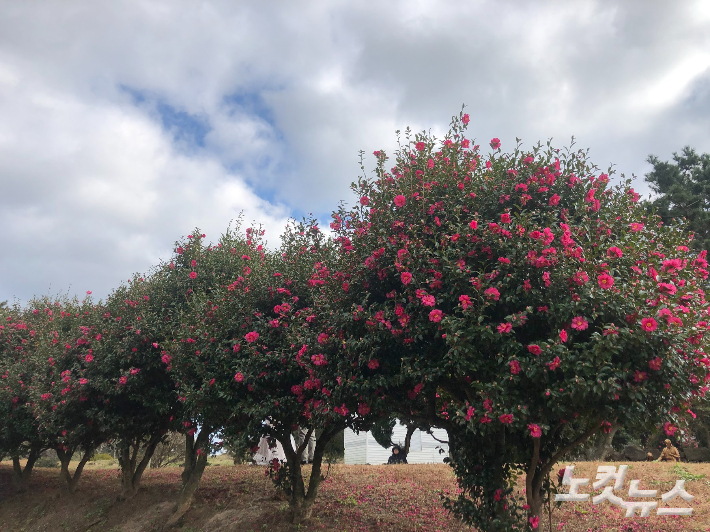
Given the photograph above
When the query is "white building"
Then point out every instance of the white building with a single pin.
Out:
(423, 449)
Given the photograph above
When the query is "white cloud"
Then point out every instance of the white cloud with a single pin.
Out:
(94, 186)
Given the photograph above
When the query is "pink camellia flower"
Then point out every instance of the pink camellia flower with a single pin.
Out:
(420, 146)
(579, 323)
(166, 358)
(193, 275)
(495, 143)
(428, 301)
(469, 413)
(492, 293)
(406, 277)
(640, 376)
(534, 521)
(485, 419)
(251, 336)
(135, 371)
(669, 428)
(435, 315)
(363, 409)
(636, 227)
(506, 419)
(535, 349)
(400, 200)
(535, 430)
(505, 218)
(554, 200)
(239, 377)
(614, 252)
(465, 119)
(364, 200)
(473, 225)
(649, 324)
(322, 338)
(514, 367)
(123, 380)
(655, 364)
(373, 364)
(83, 381)
(563, 335)
(554, 364)
(504, 328)
(430, 164)
(318, 360)
(155, 344)
(193, 263)
(89, 358)
(605, 281)
(88, 292)
(465, 301)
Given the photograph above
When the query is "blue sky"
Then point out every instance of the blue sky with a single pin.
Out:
(126, 124)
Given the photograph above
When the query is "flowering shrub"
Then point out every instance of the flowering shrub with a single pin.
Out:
(515, 290)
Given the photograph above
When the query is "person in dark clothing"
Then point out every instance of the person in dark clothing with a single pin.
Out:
(398, 457)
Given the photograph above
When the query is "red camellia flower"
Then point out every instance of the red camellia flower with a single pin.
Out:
(406, 277)
(363, 409)
(465, 119)
(428, 301)
(492, 293)
(193, 275)
(579, 323)
(535, 349)
(318, 360)
(534, 521)
(505, 328)
(420, 146)
(239, 377)
(251, 336)
(655, 364)
(322, 338)
(605, 281)
(435, 315)
(373, 364)
(649, 324)
(400, 200)
(614, 252)
(514, 367)
(495, 143)
(669, 428)
(563, 335)
(473, 225)
(364, 200)
(554, 364)
(123, 380)
(640, 376)
(506, 419)
(505, 218)
(535, 430)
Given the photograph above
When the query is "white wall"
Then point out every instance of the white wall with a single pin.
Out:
(424, 449)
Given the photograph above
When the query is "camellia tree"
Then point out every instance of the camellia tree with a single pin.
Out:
(525, 302)
(19, 429)
(140, 401)
(68, 407)
(271, 332)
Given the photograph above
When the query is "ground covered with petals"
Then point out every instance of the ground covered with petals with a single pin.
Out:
(403, 497)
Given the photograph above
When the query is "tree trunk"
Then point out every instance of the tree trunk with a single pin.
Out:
(20, 477)
(196, 452)
(131, 469)
(301, 501)
(64, 459)
(604, 449)
(408, 439)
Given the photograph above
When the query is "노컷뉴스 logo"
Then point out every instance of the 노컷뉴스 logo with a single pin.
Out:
(607, 474)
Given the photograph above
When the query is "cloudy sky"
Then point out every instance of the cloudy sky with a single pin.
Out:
(125, 124)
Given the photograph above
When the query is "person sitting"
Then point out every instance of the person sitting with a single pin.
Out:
(669, 453)
(398, 457)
